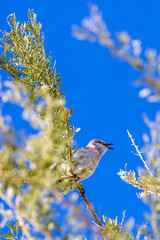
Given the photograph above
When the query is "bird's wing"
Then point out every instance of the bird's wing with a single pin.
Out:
(82, 158)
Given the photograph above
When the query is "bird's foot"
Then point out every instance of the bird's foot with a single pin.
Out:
(75, 176)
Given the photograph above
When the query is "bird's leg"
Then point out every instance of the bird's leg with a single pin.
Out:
(80, 186)
(75, 177)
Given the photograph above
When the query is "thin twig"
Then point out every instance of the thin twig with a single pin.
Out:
(139, 153)
(70, 143)
(98, 225)
(90, 208)
(123, 219)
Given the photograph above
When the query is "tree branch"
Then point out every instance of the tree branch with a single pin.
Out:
(139, 153)
(90, 208)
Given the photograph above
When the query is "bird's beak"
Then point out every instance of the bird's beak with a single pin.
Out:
(108, 144)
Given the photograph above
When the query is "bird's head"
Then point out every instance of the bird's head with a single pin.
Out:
(100, 145)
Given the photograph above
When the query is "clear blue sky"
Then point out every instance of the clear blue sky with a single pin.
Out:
(99, 88)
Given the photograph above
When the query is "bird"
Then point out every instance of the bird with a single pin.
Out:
(84, 161)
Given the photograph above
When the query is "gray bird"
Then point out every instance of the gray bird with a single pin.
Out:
(85, 160)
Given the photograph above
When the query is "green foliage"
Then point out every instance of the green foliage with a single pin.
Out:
(149, 184)
(114, 229)
(34, 86)
(38, 88)
(28, 184)
(14, 232)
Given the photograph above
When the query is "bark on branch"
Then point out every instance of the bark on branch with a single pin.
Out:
(90, 208)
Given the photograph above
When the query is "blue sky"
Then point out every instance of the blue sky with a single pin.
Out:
(99, 88)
